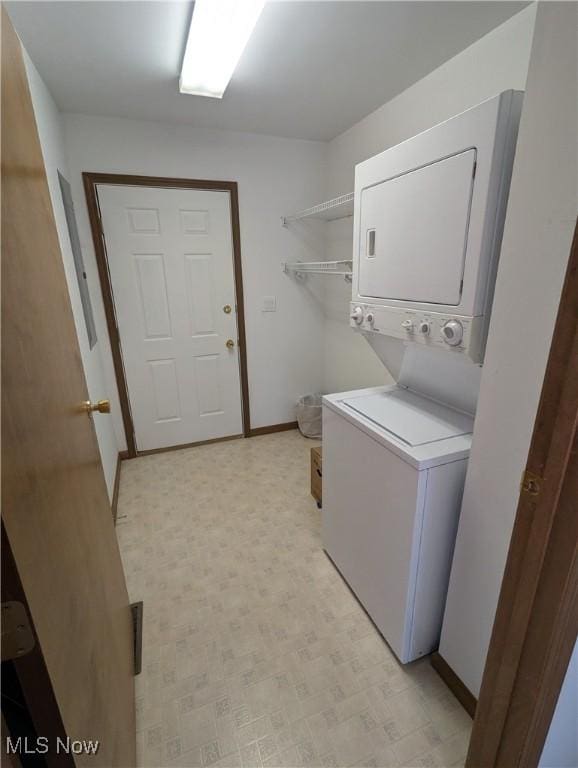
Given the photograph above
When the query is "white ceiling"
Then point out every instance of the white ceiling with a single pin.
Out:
(310, 70)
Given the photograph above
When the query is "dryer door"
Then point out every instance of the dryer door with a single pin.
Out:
(414, 231)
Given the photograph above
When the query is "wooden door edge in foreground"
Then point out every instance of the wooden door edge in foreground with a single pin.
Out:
(55, 507)
(536, 620)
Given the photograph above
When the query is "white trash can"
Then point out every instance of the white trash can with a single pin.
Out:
(309, 415)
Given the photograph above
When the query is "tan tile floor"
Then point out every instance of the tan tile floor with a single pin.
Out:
(255, 652)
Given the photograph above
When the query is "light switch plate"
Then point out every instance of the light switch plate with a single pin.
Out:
(269, 304)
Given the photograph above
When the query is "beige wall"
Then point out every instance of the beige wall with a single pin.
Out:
(538, 232)
(495, 63)
(49, 124)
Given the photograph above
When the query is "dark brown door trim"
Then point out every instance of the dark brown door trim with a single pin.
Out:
(536, 620)
(90, 181)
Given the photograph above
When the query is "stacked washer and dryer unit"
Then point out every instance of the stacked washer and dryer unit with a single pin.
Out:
(428, 221)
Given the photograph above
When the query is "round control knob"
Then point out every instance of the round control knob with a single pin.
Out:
(453, 332)
(357, 315)
(370, 318)
(424, 327)
(408, 325)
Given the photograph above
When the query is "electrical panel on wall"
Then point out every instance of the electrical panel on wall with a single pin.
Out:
(428, 222)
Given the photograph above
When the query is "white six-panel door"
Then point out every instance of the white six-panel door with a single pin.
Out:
(170, 255)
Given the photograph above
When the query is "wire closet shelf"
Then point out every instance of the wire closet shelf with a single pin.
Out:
(339, 208)
(302, 268)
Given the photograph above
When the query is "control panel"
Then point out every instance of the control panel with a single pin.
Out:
(456, 333)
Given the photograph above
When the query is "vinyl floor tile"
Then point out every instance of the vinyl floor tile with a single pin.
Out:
(255, 652)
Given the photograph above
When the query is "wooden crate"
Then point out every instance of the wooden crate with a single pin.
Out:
(316, 474)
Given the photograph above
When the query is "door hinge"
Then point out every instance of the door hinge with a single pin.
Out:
(531, 483)
(17, 634)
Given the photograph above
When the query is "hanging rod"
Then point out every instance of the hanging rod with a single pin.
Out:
(339, 208)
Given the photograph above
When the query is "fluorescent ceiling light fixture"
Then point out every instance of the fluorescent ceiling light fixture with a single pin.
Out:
(218, 35)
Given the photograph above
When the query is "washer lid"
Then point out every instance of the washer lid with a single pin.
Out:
(413, 419)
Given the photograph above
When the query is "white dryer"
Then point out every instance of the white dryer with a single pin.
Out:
(394, 464)
(428, 221)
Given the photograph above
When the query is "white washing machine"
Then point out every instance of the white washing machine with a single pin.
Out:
(394, 464)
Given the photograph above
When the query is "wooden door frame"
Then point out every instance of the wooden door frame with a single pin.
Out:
(90, 181)
(536, 620)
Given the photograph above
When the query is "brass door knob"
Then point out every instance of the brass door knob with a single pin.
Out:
(229, 343)
(227, 309)
(102, 406)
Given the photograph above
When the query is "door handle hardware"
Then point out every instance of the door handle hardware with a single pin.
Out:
(227, 309)
(102, 406)
(531, 483)
(17, 634)
(229, 343)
